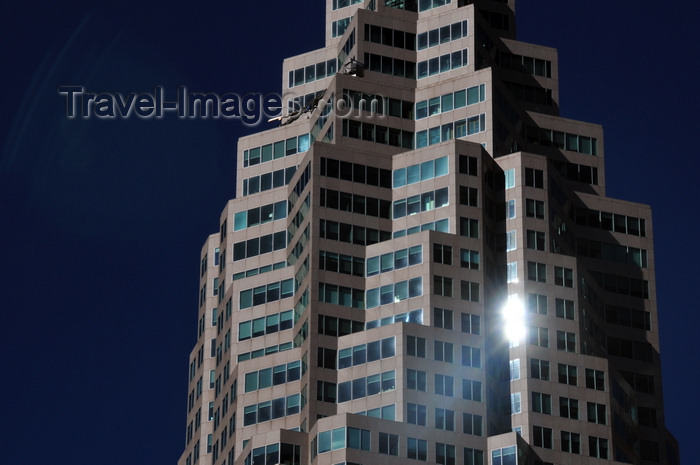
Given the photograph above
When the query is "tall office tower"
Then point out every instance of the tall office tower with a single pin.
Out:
(421, 264)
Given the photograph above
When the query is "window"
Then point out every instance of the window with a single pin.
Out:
(471, 390)
(472, 424)
(649, 450)
(442, 318)
(196, 452)
(416, 414)
(260, 215)
(537, 303)
(563, 276)
(424, 202)
(326, 391)
(388, 444)
(358, 439)
(535, 240)
(442, 254)
(541, 403)
(534, 209)
(610, 222)
(639, 382)
(597, 414)
(568, 408)
(469, 259)
(471, 356)
(444, 385)
(539, 336)
(250, 414)
(202, 295)
(265, 325)
(510, 209)
(204, 264)
(388, 381)
(628, 317)
(442, 285)
(265, 294)
(542, 437)
(417, 449)
(363, 353)
(416, 380)
(597, 447)
(509, 178)
(395, 260)
(471, 324)
(469, 227)
(568, 374)
(444, 454)
(511, 243)
(327, 358)
(415, 346)
(444, 352)
(571, 442)
(595, 379)
(332, 326)
(622, 284)
(467, 165)
(512, 272)
(387, 412)
(369, 386)
(515, 369)
(537, 272)
(515, 403)
(566, 341)
(386, 294)
(469, 196)
(423, 171)
(469, 291)
(473, 456)
(613, 252)
(339, 263)
(564, 308)
(627, 348)
(445, 419)
(534, 178)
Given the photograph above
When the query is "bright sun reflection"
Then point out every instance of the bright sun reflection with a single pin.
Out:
(514, 319)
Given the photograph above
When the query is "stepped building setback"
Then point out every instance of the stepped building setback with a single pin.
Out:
(421, 264)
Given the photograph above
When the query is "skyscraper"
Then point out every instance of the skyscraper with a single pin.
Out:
(421, 263)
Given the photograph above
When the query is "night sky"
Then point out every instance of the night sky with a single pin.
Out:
(102, 221)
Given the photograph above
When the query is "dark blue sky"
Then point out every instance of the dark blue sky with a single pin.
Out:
(102, 221)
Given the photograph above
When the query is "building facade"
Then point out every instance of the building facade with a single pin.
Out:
(421, 264)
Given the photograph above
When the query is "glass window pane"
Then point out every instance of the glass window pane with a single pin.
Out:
(338, 439)
(388, 347)
(251, 381)
(427, 170)
(400, 177)
(400, 259)
(472, 95)
(372, 298)
(240, 220)
(447, 102)
(460, 99)
(400, 291)
(387, 262)
(359, 355)
(373, 351)
(359, 388)
(413, 174)
(441, 167)
(415, 287)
